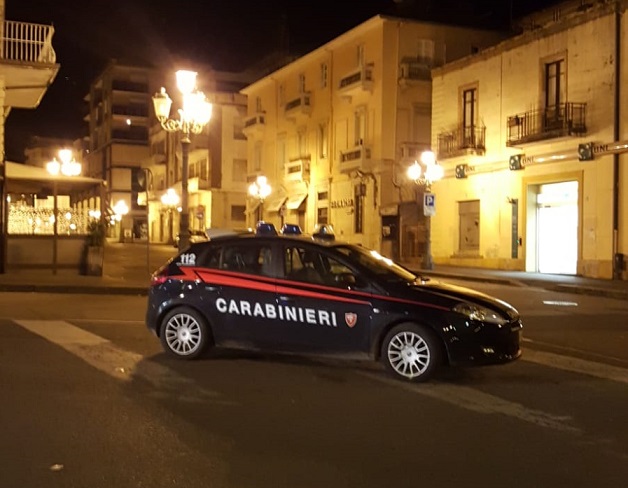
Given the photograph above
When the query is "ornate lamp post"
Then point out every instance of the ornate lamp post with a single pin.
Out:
(260, 189)
(193, 116)
(170, 199)
(425, 177)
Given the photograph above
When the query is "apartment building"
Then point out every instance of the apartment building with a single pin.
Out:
(28, 66)
(334, 131)
(532, 136)
(119, 114)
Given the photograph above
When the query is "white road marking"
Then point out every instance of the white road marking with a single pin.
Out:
(572, 350)
(576, 365)
(477, 401)
(119, 363)
(559, 303)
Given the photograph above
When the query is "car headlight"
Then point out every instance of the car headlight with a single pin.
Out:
(479, 313)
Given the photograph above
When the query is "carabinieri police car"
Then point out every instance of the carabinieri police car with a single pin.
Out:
(289, 292)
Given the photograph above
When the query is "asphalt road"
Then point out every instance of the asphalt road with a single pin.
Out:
(89, 400)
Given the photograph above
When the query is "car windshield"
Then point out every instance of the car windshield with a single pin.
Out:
(382, 266)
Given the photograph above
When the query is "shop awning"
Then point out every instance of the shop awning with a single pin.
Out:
(295, 201)
(274, 205)
(24, 178)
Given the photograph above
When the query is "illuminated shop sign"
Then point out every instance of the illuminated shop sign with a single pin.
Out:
(342, 203)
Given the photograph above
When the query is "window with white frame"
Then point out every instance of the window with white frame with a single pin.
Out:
(323, 140)
(257, 156)
(469, 115)
(360, 55)
(281, 97)
(555, 93)
(324, 75)
(360, 126)
(302, 142)
(301, 86)
(281, 151)
(554, 83)
(322, 207)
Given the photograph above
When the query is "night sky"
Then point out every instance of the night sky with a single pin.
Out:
(229, 35)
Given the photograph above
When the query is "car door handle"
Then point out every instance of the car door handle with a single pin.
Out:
(212, 288)
(285, 299)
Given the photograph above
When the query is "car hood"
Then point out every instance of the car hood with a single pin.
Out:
(448, 295)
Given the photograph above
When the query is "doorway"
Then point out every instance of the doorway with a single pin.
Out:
(557, 228)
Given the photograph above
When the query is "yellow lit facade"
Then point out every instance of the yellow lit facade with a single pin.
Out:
(532, 136)
(335, 130)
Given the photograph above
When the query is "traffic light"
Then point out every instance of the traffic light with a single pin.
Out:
(515, 163)
(461, 171)
(585, 151)
(138, 179)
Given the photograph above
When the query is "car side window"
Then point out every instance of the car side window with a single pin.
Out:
(209, 257)
(311, 266)
(251, 258)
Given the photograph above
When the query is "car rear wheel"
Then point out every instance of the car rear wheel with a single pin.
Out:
(184, 333)
(411, 352)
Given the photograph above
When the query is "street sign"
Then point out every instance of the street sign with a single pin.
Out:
(429, 204)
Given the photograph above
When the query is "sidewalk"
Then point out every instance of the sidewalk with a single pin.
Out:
(127, 270)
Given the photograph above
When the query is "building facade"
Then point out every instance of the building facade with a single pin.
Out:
(533, 138)
(335, 130)
(28, 65)
(119, 115)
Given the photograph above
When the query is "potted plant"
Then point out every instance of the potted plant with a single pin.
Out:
(95, 248)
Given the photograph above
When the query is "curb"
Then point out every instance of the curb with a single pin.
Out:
(75, 289)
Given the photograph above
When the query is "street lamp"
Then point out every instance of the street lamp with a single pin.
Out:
(260, 189)
(67, 167)
(193, 116)
(425, 177)
(170, 199)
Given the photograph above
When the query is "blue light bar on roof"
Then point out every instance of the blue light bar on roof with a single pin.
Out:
(291, 229)
(324, 231)
(265, 229)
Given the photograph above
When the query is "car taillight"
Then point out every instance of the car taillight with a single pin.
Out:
(158, 278)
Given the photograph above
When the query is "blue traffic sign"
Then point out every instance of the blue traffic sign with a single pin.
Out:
(429, 204)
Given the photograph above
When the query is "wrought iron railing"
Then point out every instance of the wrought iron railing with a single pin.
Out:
(546, 123)
(28, 43)
(460, 140)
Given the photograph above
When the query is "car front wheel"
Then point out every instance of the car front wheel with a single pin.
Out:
(411, 352)
(184, 333)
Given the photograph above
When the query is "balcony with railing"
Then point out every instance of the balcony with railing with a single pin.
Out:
(254, 124)
(130, 110)
(565, 119)
(414, 71)
(132, 134)
(355, 158)
(357, 82)
(299, 109)
(26, 46)
(461, 141)
(130, 86)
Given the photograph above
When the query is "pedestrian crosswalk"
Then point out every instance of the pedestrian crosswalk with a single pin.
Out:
(125, 365)
(119, 363)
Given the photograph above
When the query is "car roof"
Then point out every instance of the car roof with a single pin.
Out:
(236, 236)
